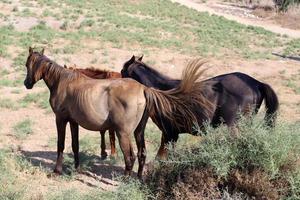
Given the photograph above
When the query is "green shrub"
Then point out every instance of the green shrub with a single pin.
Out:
(268, 155)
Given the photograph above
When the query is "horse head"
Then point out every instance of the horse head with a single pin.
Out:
(129, 66)
(33, 66)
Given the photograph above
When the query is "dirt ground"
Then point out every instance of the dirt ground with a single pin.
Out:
(285, 24)
(276, 73)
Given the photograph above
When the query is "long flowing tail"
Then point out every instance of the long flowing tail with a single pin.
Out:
(271, 102)
(179, 105)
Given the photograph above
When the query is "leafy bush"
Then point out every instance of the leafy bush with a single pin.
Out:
(262, 162)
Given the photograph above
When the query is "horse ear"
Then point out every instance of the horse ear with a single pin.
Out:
(30, 50)
(140, 58)
(42, 52)
(132, 59)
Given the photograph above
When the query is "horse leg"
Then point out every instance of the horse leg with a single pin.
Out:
(140, 142)
(126, 147)
(103, 146)
(75, 143)
(162, 151)
(61, 133)
(112, 139)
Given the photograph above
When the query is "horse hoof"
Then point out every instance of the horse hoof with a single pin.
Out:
(57, 171)
(79, 170)
(113, 156)
(103, 157)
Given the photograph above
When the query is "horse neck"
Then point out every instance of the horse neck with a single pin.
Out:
(51, 74)
(161, 81)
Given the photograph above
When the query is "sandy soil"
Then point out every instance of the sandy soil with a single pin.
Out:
(241, 15)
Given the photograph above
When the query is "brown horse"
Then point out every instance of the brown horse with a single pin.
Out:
(101, 104)
(101, 74)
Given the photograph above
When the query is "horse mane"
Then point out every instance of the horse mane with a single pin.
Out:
(95, 72)
(52, 70)
(152, 70)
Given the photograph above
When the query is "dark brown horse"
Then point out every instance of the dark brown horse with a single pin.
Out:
(230, 95)
(101, 74)
(122, 104)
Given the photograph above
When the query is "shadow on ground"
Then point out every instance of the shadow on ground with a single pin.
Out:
(91, 165)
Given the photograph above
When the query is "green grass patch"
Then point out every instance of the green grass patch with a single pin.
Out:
(90, 144)
(12, 167)
(8, 103)
(293, 82)
(4, 72)
(41, 99)
(128, 190)
(292, 48)
(6, 39)
(23, 128)
(294, 85)
(159, 24)
(10, 82)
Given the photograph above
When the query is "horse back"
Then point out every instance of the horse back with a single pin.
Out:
(235, 93)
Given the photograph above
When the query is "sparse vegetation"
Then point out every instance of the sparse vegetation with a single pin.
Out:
(10, 82)
(40, 99)
(23, 128)
(7, 103)
(293, 48)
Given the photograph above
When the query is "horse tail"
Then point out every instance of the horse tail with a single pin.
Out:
(271, 103)
(178, 104)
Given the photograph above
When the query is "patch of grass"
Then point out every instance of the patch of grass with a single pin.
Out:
(4, 72)
(8, 189)
(293, 82)
(40, 35)
(90, 144)
(87, 22)
(52, 142)
(23, 128)
(47, 12)
(10, 83)
(128, 190)
(8, 103)
(6, 38)
(160, 24)
(41, 99)
(13, 167)
(294, 85)
(292, 48)
(16, 91)
(19, 61)
(64, 26)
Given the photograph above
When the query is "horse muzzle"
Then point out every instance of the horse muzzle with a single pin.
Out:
(28, 84)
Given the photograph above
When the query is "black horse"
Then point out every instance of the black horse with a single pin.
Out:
(229, 95)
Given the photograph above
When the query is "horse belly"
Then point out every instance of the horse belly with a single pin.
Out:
(92, 123)
(91, 113)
